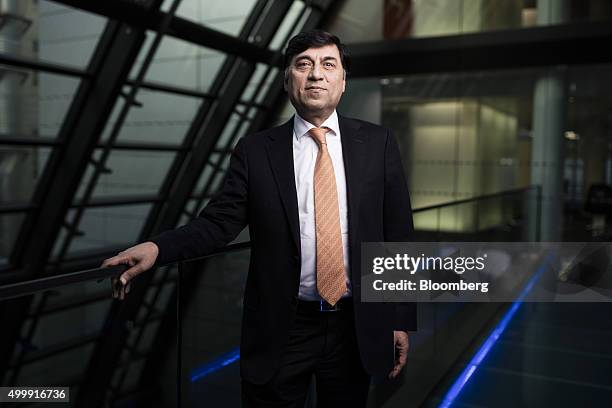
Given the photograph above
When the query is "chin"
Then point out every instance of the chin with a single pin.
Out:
(315, 106)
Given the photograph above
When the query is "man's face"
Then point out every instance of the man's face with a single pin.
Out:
(315, 81)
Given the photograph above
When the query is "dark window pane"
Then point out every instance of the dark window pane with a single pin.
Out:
(33, 103)
(66, 35)
(132, 173)
(180, 63)
(162, 118)
(9, 229)
(106, 226)
(20, 170)
(55, 97)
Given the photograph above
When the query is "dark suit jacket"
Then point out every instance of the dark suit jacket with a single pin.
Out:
(259, 191)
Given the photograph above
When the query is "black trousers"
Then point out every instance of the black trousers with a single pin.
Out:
(323, 344)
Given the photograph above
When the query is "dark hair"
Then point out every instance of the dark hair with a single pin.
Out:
(315, 39)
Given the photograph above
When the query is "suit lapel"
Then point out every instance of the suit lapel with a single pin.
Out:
(353, 153)
(280, 154)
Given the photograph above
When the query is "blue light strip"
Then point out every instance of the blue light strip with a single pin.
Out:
(486, 346)
(216, 364)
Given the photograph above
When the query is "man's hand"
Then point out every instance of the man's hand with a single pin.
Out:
(140, 257)
(400, 339)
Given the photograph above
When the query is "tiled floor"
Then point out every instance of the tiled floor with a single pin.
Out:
(551, 355)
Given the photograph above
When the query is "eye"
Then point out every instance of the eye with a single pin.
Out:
(329, 65)
(304, 64)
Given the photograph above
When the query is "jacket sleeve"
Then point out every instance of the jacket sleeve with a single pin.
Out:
(397, 222)
(218, 223)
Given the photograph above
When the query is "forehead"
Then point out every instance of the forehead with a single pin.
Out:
(326, 51)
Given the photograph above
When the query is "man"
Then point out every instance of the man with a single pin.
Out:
(310, 190)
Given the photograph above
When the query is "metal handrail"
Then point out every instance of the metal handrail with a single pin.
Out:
(476, 198)
(30, 287)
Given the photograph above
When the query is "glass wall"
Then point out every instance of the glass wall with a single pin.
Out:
(476, 133)
(34, 104)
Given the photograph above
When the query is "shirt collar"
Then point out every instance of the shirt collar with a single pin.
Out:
(301, 126)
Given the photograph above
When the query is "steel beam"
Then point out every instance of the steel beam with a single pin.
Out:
(33, 64)
(567, 44)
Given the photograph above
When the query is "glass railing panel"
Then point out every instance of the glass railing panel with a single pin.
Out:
(57, 333)
(75, 335)
(211, 295)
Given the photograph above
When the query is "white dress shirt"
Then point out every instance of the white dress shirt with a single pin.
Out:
(305, 152)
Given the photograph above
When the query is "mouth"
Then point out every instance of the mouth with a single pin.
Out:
(315, 88)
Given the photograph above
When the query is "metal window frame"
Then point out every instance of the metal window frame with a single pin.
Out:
(181, 28)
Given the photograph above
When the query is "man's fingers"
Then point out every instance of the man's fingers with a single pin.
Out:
(122, 285)
(130, 274)
(123, 291)
(114, 287)
(114, 261)
(138, 259)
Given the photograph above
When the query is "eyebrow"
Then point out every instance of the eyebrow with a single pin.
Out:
(327, 58)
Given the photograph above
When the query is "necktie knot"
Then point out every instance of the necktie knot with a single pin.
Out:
(318, 134)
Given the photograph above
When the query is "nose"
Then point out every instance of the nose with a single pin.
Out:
(315, 72)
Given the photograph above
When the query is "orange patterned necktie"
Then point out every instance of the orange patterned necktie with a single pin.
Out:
(331, 282)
